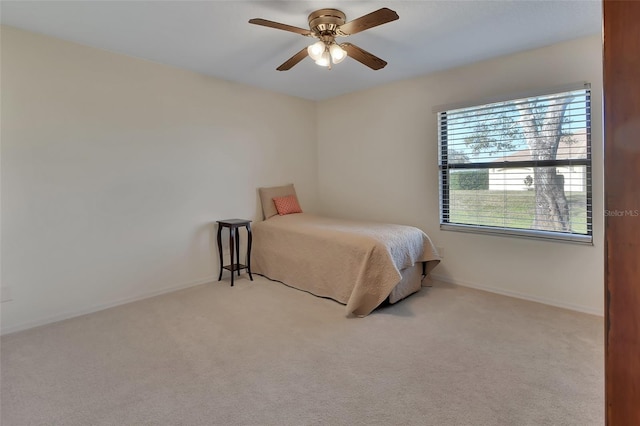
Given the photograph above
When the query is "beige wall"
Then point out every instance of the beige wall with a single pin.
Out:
(114, 170)
(377, 156)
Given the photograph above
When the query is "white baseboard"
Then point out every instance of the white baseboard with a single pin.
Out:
(102, 306)
(146, 295)
(518, 295)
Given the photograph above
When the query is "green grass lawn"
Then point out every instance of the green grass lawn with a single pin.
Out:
(487, 208)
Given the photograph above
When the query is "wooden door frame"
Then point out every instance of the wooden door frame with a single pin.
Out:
(621, 88)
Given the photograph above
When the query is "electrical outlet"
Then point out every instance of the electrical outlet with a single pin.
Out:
(5, 294)
(440, 252)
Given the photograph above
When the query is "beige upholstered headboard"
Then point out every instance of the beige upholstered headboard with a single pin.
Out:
(268, 194)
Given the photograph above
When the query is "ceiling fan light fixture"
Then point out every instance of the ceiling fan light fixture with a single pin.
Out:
(325, 59)
(325, 25)
(316, 50)
(337, 53)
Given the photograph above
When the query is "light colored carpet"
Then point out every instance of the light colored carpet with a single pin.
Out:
(262, 353)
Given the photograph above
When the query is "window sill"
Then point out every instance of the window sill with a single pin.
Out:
(520, 233)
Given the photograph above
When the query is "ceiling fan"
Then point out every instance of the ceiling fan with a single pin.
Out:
(326, 25)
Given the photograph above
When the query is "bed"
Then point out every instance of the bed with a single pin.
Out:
(358, 264)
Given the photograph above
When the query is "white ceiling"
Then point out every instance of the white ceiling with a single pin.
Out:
(214, 38)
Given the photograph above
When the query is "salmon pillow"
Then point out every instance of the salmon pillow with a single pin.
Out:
(287, 205)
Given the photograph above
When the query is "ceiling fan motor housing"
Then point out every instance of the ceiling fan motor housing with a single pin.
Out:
(326, 21)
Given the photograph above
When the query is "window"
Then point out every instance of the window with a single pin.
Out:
(518, 167)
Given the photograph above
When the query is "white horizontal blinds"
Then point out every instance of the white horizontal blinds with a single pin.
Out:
(520, 164)
(508, 131)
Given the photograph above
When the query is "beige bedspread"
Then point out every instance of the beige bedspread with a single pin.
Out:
(354, 263)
